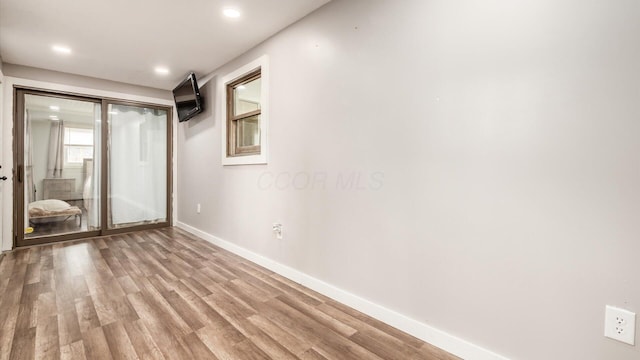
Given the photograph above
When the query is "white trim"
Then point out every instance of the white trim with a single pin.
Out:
(11, 81)
(262, 63)
(7, 140)
(174, 166)
(3, 171)
(439, 338)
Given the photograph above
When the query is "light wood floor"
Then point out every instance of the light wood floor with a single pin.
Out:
(167, 294)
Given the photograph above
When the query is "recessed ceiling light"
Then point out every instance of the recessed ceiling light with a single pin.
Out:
(53, 117)
(230, 12)
(161, 70)
(61, 49)
(54, 107)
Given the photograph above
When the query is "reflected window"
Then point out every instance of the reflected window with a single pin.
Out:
(78, 145)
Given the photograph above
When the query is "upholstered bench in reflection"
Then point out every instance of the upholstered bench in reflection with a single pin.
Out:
(53, 210)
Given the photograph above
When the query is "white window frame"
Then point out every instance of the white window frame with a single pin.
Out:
(263, 64)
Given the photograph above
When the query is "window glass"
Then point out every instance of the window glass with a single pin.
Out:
(248, 133)
(247, 97)
(244, 116)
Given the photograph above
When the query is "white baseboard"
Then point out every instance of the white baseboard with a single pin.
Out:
(441, 339)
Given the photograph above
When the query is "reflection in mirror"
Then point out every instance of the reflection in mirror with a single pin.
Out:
(61, 141)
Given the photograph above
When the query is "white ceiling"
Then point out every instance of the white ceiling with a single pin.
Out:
(123, 40)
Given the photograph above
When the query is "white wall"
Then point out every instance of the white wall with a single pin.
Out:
(497, 147)
(40, 131)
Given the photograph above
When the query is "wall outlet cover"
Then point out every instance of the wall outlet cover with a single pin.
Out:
(277, 229)
(620, 324)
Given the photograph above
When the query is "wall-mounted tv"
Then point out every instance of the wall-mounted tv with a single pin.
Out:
(188, 99)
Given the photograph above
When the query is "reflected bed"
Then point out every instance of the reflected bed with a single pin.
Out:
(52, 210)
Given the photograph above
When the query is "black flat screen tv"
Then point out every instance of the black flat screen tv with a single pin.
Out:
(187, 98)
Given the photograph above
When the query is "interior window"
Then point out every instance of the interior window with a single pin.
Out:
(244, 114)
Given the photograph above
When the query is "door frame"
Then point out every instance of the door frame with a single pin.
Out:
(3, 166)
(19, 93)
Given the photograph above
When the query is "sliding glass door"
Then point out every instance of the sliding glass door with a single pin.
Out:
(60, 138)
(88, 166)
(138, 142)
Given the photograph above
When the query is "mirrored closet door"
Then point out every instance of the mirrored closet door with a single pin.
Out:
(79, 176)
(60, 141)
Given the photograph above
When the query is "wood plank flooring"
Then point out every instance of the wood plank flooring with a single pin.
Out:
(166, 294)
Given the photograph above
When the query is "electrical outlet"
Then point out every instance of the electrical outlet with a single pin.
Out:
(198, 208)
(620, 324)
(277, 229)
